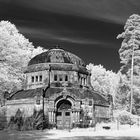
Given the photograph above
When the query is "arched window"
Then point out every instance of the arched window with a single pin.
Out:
(55, 77)
(36, 78)
(38, 100)
(32, 79)
(60, 78)
(90, 102)
(66, 77)
(40, 78)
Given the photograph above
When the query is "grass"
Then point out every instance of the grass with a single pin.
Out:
(23, 135)
(74, 134)
(43, 135)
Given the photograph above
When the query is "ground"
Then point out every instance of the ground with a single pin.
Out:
(74, 134)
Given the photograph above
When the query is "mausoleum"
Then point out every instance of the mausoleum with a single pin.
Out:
(58, 82)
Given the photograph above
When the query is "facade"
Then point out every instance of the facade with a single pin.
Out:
(58, 82)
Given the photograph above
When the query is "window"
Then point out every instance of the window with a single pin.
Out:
(66, 77)
(38, 101)
(84, 81)
(55, 77)
(36, 78)
(90, 102)
(60, 78)
(67, 113)
(40, 78)
(32, 79)
(59, 113)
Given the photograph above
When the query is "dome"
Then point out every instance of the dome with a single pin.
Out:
(57, 56)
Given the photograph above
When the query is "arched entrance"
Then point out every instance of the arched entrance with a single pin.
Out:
(63, 114)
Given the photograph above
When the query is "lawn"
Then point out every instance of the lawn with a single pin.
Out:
(23, 135)
(74, 134)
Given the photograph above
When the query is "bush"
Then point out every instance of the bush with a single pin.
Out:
(16, 122)
(36, 122)
(126, 118)
(82, 124)
(75, 125)
(3, 119)
(50, 126)
(3, 122)
(27, 125)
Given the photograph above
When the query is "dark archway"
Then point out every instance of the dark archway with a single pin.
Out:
(64, 105)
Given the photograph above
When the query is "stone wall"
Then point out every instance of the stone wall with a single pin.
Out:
(73, 77)
(26, 106)
(33, 85)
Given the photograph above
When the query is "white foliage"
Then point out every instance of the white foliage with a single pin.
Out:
(37, 51)
(130, 44)
(102, 80)
(15, 52)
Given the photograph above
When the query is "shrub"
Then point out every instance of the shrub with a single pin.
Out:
(50, 126)
(84, 123)
(3, 120)
(125, 117)
(16, 122)
(27, 125)
(75, 125)
(36, 121)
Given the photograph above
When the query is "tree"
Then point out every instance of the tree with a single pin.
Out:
(103, 81)
(130, 54)
(15, 52)
(131, 41)
(121, 96)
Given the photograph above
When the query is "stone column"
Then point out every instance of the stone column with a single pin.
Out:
(73, 116)
(78, 116)
(93, 113)
(82, 81)
(52, 116)
(49, 116)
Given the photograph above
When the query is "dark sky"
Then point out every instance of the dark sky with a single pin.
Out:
(87, 28)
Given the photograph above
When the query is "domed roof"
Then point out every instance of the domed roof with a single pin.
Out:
(56, 56)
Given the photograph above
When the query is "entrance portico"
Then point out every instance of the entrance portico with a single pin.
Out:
(66, 112)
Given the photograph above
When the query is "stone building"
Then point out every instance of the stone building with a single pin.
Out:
(58, 82)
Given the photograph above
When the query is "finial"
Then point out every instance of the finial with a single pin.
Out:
(57, 46)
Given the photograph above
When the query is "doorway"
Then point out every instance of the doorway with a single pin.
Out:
(63, 114)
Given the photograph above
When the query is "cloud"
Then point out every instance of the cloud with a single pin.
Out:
(87, 28)
(47, 34)
(106, 10)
